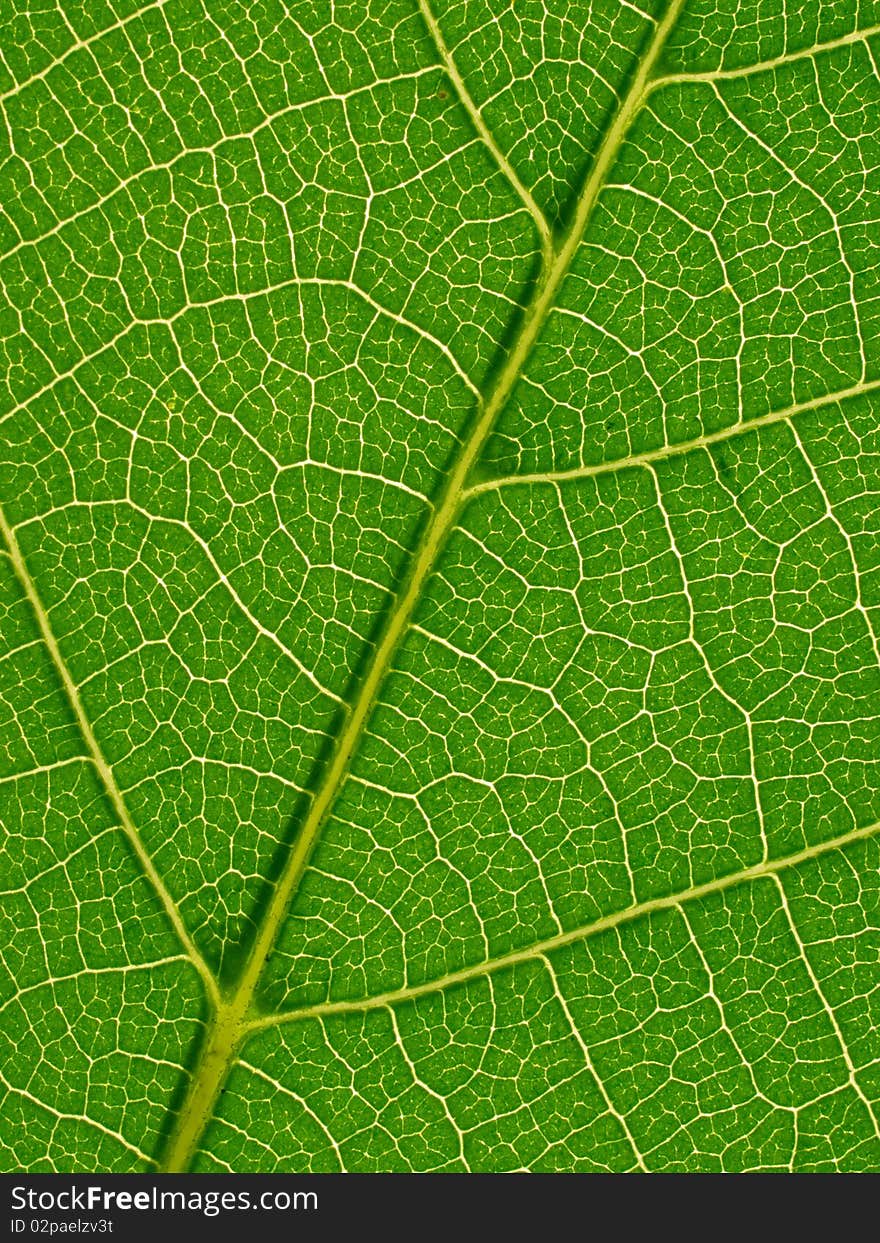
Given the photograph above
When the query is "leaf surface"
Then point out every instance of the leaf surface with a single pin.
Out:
(440, 585)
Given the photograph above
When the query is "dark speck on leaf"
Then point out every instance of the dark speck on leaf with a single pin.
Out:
(724, 461)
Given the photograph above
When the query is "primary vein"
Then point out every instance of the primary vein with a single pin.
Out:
(234, 1012)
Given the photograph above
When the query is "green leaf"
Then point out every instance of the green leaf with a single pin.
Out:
(441, 585)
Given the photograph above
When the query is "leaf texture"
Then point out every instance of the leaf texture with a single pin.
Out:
(440, 587)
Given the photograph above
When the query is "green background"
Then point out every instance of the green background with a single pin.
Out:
(608, 839)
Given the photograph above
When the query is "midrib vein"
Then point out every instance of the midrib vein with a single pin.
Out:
(96, 755)
(230, 1021)
(535, 951)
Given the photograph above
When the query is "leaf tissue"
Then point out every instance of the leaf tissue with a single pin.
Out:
(440, 585)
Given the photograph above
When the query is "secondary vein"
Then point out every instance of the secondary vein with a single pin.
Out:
(531, 953)
(775, 62)
(665, 452)
(105, 772)
(476, 116)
